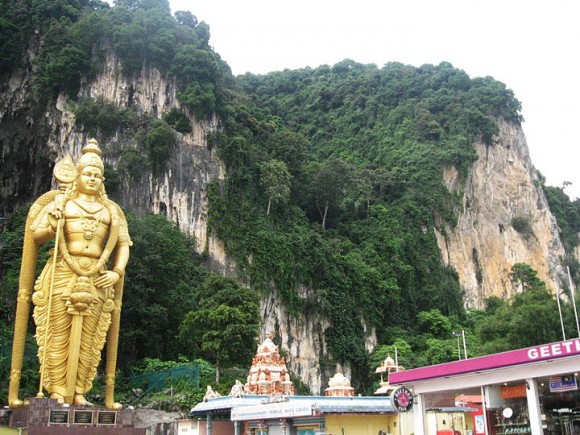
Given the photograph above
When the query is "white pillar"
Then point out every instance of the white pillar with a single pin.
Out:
(209, 424)
(419, 415)
(237, 427)
(485, 404)
(534, 411)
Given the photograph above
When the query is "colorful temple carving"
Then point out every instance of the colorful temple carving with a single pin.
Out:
(268, 374)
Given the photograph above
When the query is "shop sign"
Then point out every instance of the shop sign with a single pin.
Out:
(479, 423)
(513, 391)
(564, 348)
(402, 399)
(274, 410)
(563, 383)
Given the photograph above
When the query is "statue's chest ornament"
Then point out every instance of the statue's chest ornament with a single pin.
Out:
(91, 220)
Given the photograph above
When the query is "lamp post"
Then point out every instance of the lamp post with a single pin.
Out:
(560, 312)
(457, 334)
(461, 334)
(573, 300)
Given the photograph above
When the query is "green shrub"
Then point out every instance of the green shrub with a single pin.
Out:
(522, 224)
(178, 120)
(102, 116)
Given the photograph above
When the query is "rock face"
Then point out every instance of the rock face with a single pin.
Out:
(178, 193)
(302, 337)
(505, 220)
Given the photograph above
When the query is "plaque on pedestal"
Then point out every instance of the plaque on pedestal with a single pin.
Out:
(106, 418)
(83, 417)
(58, 416)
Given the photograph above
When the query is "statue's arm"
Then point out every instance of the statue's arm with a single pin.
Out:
(122, 252)
(121, 259)
(109, 278)
(45, 229)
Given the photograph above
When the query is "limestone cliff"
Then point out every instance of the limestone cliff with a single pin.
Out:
(179, 193)
(302, 338)
(505, 219)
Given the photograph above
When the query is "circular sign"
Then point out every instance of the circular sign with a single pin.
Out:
(508, 412)
(402, 399)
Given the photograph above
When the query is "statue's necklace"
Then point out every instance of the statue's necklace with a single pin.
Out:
(89, 224)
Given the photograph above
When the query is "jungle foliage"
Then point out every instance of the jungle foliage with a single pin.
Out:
(366, 148)
(72, 38)
(567, 213)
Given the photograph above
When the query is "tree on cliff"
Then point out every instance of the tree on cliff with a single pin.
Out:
(529, 318)
(275, 180)
(224, 327)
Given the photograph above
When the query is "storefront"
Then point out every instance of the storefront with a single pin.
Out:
(532, 390)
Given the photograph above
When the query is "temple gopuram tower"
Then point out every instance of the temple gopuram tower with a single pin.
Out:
(268, 374)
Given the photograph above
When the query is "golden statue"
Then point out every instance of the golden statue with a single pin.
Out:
(77, 298)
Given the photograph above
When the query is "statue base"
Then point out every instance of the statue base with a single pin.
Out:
(48, 417)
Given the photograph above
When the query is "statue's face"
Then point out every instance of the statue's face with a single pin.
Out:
(90, 180)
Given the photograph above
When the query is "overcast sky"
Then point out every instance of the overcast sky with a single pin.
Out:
(533, 46)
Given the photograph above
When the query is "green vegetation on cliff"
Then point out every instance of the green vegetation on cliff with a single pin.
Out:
(366, 149)
(567, 213)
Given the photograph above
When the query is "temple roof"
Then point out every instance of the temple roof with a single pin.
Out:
(316, 404)
(339, 386)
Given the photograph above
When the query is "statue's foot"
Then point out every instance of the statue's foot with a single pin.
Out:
(17, 403)
(80, 400)
(58, 397)
(116, 406)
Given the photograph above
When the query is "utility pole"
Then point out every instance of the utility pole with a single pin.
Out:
(560, 311)
(461, 334)
(573, 300)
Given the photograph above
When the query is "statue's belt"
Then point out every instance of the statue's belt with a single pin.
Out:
(82, 262)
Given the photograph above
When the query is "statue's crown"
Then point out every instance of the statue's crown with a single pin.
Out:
(91, 156)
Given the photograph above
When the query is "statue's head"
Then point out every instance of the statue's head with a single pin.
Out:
(89, 165)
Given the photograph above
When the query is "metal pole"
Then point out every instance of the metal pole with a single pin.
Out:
(208, 423)
(572, 291)
(464, 344)
(560, 311)
(40, 394)
(457, 334)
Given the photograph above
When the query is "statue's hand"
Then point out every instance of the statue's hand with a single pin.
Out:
(53, 217)
(108, 278)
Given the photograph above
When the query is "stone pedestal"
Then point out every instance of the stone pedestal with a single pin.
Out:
(48, 417)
